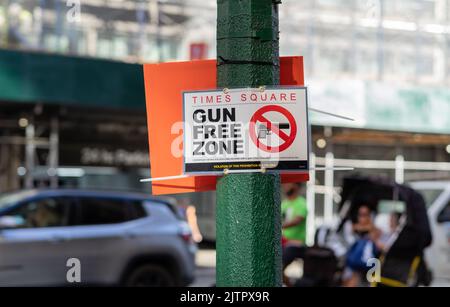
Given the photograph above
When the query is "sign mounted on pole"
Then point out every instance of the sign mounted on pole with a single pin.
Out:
(246, 130)
(164, 100)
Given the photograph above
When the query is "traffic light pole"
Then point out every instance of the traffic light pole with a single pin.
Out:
(248, 205)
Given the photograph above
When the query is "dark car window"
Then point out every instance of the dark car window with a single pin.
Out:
(47, 212)
(71, 203)
(98, 211)
(444, 215)
(137, 210)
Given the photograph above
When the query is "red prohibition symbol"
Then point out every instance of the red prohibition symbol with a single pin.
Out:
(276, 128)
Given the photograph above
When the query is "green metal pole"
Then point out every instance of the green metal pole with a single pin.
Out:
(248, 205)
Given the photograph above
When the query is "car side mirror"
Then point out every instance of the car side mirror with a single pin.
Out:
(11, 222)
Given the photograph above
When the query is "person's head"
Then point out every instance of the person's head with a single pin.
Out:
(43, 215)
(364, 214)
(291, 190)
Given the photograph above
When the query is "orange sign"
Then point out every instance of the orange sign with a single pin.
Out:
(164, 84)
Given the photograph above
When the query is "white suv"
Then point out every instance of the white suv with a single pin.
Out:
(118, 239)
(437, 198)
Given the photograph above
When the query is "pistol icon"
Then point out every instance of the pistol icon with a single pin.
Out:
(263, 131)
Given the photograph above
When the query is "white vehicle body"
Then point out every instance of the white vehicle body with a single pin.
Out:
(437, 198)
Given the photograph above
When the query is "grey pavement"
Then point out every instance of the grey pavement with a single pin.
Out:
(206, 270)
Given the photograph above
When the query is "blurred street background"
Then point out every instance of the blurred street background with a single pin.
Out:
(72, 103)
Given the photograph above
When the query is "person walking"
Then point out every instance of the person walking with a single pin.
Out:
(294, 214)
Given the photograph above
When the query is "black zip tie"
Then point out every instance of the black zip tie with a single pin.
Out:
(223, 61)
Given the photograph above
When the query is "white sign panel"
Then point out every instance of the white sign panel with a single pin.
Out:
(246, 129)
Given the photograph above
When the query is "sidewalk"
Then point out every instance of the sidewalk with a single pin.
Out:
(205, 275)
(206, 268)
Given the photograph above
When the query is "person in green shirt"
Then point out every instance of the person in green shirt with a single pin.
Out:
(294, 214)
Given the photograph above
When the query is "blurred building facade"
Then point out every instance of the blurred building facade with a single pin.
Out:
(72, 109)
(387, 40)
(385, 63)
(132, 30)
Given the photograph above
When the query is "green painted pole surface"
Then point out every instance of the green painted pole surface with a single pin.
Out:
(248, 205)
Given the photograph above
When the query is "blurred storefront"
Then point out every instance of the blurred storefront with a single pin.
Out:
(71, 122)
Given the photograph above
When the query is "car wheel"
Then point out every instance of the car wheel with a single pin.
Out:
(150, 276)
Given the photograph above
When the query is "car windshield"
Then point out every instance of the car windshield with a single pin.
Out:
(9, 199)
(430, 195)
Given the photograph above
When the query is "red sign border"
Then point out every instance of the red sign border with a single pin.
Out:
(287, 114)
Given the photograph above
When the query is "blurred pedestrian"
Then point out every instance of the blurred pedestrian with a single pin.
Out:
(384, 240)
(363, 249)
(190, 214)
(294, 213)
